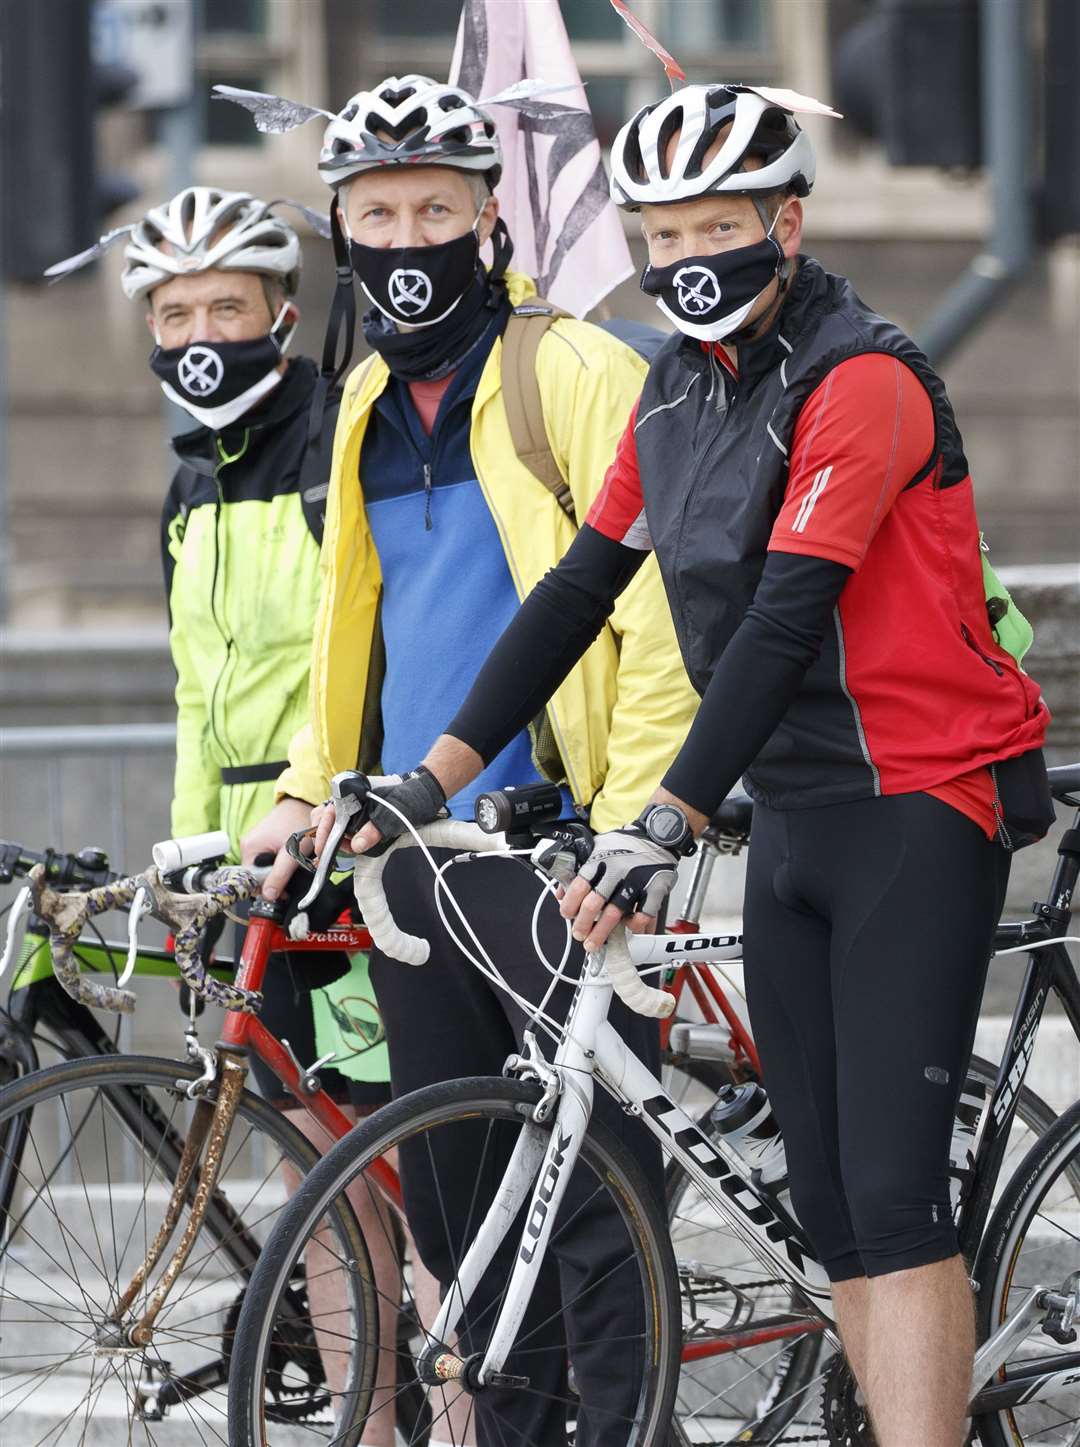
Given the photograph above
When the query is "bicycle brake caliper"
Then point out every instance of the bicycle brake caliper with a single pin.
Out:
(531, 1065)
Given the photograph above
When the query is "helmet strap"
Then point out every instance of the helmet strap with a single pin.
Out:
(502, 248)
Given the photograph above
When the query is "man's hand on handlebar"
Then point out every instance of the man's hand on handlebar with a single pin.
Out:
(287, 817)
(631, 871)
(417, 795)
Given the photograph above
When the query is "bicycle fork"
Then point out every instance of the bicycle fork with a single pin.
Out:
(210, 1129)
(547, 1168)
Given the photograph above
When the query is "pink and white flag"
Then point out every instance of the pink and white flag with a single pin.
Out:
(554, 191)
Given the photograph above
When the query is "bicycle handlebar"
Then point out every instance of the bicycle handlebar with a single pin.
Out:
(186, 914)
(471, 839)
(85, 870)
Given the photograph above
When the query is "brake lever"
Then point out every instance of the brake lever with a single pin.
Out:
(141, 905)
(348, 812)
(294, 851)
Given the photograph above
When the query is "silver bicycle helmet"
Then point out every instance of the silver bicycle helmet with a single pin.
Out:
(410, 120)
(203, 228)
(761, 126)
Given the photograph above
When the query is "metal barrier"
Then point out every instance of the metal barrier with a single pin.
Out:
(47, 799)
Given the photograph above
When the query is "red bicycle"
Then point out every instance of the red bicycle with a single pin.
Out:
(136, 1192)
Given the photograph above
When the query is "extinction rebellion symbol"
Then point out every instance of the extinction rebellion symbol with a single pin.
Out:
(698, 290)
(410, 292)
(200, 371)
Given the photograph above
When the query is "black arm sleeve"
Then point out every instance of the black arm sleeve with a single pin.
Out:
(758, 676)
(548, 634)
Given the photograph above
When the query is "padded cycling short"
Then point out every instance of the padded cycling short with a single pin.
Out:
(868, 931)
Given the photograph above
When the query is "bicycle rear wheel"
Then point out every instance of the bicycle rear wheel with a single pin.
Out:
(1033, 1239)
(597, 1355)
(100, 1139)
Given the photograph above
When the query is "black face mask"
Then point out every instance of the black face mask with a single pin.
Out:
(217, 382)
(422, 279)
(710, 297)
(418, 285)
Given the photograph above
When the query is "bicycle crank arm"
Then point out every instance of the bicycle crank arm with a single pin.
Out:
(1037, 1380)
(997, 1348)
(155, 1401)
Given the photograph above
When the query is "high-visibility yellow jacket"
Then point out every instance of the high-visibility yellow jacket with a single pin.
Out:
(242, 581)
(622, 713)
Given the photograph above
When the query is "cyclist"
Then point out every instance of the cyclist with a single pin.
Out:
(218, 272)
(821, 556)
(425, 561)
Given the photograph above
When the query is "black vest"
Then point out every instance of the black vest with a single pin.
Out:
(713, 459)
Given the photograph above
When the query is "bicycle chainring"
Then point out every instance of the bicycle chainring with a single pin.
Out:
(845, 1419)
(289, 1399)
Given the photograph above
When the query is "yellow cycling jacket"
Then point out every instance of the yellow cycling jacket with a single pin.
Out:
(621, 715)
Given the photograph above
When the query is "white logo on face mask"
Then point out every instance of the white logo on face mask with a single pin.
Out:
(410, 292)
(200, 371)
(698, 290)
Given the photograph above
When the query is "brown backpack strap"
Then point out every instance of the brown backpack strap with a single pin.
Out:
(521, 396)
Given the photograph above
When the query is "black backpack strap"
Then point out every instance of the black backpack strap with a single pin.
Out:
(337, 354)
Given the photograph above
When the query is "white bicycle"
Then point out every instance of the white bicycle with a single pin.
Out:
(535, 1309)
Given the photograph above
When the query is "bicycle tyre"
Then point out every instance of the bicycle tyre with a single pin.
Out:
(36, 1249)
(472, 1102)
(1028, 1202)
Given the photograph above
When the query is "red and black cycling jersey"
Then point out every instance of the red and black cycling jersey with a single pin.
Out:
(833, 440)
(813, 518)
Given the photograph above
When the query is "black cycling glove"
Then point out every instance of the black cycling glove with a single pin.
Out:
(418, 795)
(630, 871)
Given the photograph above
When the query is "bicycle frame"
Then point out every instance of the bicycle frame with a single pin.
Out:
(193, 1162)
(542, 1163)
(696, 977)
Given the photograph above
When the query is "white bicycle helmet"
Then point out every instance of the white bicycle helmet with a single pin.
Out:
(410, 120)
(203, 227)
(761, 126)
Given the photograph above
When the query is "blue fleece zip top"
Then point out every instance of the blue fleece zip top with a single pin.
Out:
(447, 589)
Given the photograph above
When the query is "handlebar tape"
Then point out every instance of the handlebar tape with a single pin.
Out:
(68, 914)
(411, 950)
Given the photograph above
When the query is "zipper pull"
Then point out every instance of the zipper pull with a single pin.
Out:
(427, 497)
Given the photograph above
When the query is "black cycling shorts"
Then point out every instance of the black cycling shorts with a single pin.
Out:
(868, 931)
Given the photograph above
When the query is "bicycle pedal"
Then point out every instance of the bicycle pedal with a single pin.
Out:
(1064, 1336)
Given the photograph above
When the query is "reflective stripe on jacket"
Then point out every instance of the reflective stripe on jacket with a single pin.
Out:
(623, 712)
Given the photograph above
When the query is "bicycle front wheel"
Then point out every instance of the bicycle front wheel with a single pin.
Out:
(596, 1357)
(88, 1152)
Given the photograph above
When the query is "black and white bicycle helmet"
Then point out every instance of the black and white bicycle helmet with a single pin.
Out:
(760, 127)
(203, 227)
(410, 120)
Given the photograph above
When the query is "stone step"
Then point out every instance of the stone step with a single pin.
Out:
(108, 1421)
(111, 1222)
